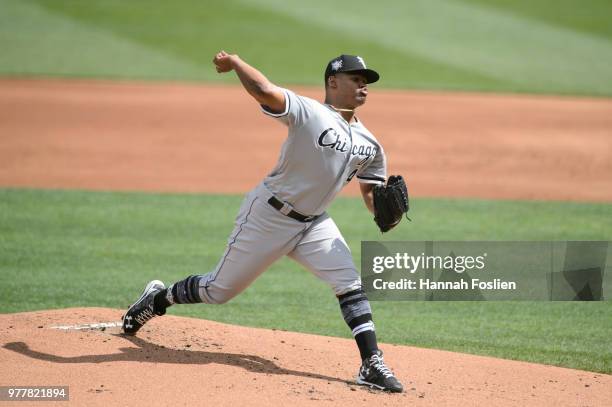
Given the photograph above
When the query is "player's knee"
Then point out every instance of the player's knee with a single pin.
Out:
(221, 300)
(345, 281)
(213, 295)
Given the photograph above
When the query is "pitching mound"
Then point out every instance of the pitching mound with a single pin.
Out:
(184, 361)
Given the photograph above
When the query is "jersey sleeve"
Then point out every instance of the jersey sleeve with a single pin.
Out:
(297, 110)
(376, 171)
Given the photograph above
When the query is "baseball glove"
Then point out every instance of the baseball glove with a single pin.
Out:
(390, 203)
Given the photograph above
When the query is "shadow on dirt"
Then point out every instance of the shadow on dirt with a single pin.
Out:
(149, 352)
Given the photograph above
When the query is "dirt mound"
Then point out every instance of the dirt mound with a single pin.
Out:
(203, 138)
(184, 361)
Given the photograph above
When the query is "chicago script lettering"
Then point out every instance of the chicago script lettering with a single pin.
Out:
(331, 139)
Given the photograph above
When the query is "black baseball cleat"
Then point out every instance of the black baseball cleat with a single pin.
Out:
(142, 310)
(377, 375)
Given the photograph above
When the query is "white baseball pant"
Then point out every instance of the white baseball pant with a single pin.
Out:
(262, 235)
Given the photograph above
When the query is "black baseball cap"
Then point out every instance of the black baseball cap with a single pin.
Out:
(350, 63)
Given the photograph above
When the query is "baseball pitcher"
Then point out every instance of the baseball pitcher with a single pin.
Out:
(326, 147)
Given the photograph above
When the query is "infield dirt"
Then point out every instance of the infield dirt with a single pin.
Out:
(184, 361)
(203, 138)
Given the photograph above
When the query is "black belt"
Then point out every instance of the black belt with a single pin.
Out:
(279, 205)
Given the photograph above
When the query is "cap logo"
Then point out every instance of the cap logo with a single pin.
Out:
(361, 61)
(335, 65)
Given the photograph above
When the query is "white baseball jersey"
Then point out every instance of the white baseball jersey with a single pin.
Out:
(321, 155)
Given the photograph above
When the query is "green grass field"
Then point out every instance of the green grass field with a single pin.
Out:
(70, 249)
(543, 46)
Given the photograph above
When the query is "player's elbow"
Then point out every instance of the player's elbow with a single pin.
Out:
(271, 96)
(261, 91)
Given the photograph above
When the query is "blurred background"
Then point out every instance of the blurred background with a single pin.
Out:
(543, 46)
